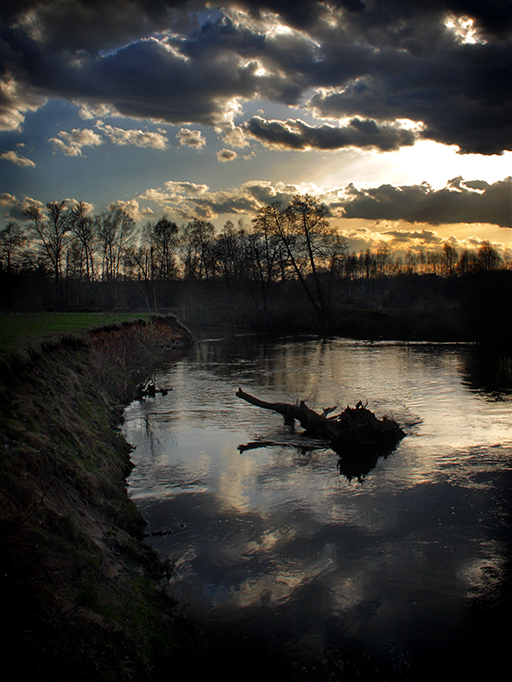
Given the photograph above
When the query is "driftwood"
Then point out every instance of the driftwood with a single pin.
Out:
(149, 390)
(301, 443)
(356, 430)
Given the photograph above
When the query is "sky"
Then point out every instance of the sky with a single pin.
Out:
(396, 114)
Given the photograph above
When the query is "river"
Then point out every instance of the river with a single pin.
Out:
(295, 570)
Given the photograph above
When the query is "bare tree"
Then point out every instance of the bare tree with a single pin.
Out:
(82, 227)
(115, 233)
(12, 240)
(265, 248)
(309, 243)
(231, 251)
(51, 233)
(450, 258)
(307, 218)
(163, 243)
(197, 249)
(488, 258)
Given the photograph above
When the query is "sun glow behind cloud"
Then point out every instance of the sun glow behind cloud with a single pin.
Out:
(464, 30)
(426, 160)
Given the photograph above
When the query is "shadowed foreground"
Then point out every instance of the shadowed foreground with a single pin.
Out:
(83, 597)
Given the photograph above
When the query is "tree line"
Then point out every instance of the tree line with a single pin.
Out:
(75, 256)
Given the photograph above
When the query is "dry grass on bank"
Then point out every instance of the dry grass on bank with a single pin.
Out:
(82, 594)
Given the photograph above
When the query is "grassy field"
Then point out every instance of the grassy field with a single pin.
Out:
(19, 330)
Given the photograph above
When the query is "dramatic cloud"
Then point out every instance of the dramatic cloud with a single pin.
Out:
(443, 65)
(226, 155)
(16, 99)
(296, 134)
(72, 143)
(186, 200)
(14, 157)
(459, 202)
(191, 138)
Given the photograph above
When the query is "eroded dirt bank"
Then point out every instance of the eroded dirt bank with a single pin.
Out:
(82, 596)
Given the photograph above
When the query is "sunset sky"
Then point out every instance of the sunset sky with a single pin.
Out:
(396, 114)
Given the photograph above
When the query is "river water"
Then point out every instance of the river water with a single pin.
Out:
(295, 570)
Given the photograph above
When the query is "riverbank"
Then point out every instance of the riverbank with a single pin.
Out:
(83, 596)
(476, 308)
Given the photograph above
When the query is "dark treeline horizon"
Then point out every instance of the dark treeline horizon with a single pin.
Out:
(64, 259)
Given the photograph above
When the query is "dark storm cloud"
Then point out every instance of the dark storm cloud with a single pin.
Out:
(301, 14)
(96, 25)
(461, 94)
(298, 135)
(185, 62)
(458, 202)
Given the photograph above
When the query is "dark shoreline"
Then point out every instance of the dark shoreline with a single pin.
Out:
(83, 595)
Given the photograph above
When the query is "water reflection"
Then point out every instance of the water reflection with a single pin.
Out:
(327, 577)
(489, 372)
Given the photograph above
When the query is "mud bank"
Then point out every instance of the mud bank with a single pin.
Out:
(82, 595)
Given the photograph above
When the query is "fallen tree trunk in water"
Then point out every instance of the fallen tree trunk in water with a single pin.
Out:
(354, 430)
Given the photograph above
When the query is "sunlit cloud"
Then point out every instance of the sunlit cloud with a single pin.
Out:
(87, 207)
(133, 209)
(362, 61)
(226, 155)
(189, 200)
(16, 99)
(138, 138)
(236, 137)
(17, 207)
(71, 144)
(385, 211)
(464, 30)
(15, 158)
(7, 199)
(185, 188)
(94, 111)
(191, 138)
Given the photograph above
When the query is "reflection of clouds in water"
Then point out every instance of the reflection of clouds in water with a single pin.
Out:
(274, 477)
(271, 539)
(183, 568)
(484, 575)
(279, 583)
(273, 531)
(237, 475)
(346, 593)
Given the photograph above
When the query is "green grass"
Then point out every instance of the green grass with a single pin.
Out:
(19, 330)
